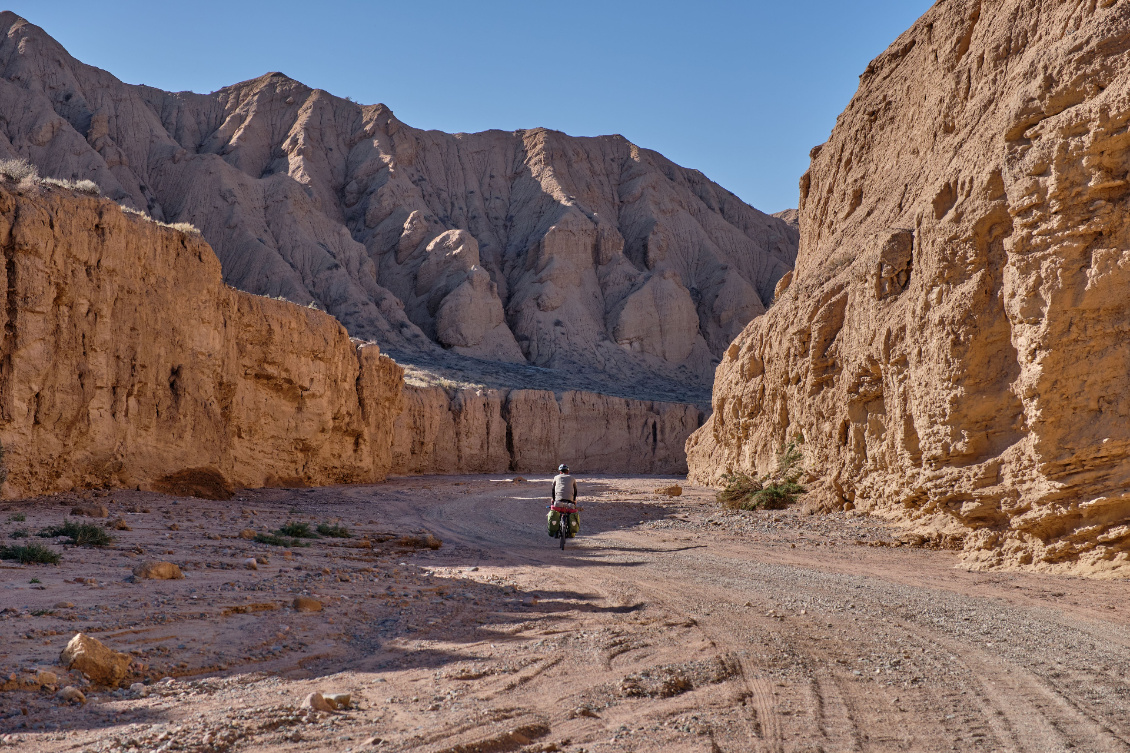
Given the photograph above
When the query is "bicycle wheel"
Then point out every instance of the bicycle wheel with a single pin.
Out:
(565, 523)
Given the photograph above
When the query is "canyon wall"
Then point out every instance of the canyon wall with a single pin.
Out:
(532, 431)
(954, 343)
(126, 361)
(583, 255)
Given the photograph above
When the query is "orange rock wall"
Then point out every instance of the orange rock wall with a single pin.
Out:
(532, 431)
(126, 359)
(954, 343)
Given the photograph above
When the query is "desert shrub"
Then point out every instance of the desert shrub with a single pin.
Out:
(423, 541)
(28, 554)
(334, 531)
(774, 491)
(18, 170)
(82, 186)
(21, 533)
(297, 530)
(737, 489)
(276, 540)
(184, 227)
(18, 517)
(81, 534)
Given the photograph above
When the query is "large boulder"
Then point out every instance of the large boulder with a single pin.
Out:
(100, 664)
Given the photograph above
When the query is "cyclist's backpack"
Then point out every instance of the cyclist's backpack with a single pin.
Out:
(554, 521)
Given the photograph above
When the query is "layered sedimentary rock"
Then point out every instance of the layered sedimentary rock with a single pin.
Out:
(955, 342)
(490, 431)
(526, 246)
(126, 361)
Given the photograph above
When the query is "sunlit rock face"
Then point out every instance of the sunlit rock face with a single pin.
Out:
(955, 341)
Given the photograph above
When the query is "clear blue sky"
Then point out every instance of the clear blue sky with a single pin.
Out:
(739, 90)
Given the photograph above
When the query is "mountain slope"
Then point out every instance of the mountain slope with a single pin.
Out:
(586, 255)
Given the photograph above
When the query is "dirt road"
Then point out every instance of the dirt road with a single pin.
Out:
(668, 625)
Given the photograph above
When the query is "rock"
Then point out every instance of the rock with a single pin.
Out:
(465, 431)
(158, 571)
(316, 702)
(100, 664)
(670, 491)
(306, 604)
(71, 694)
(263, 559)
(250, 564)
(338, 700)
(62, 605)
(948, 347)
(91, 511)
(139, 688)
(247, 533)
(337, 428)
(46, 678)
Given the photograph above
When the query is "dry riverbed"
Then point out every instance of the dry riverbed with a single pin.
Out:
(670, 625)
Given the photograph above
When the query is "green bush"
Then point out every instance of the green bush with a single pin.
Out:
(334, 531)
(274, 540)
(20, 533)
(29, 554)
(297, 530)
(774, 491)
(18, 517)
(81, 534)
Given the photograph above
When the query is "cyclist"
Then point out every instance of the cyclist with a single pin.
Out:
(564, 494)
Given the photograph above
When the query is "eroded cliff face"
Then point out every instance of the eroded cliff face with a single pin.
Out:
(955, 342)
(126, 361)
(496, 431)
(577, 254)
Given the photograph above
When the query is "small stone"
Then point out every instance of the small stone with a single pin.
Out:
(174, 527)
(262, 559)
(317, 702)
(158, 571)
(139, 688)
(247, 533)
(62, 605)
(339, 700)
(251, 564)
(71, 694)
(45, 678)
(306, 604)
(91, 511)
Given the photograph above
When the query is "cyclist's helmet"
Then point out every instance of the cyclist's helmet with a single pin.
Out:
(562, 468)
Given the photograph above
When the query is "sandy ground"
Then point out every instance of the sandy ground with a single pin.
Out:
(668, 625)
